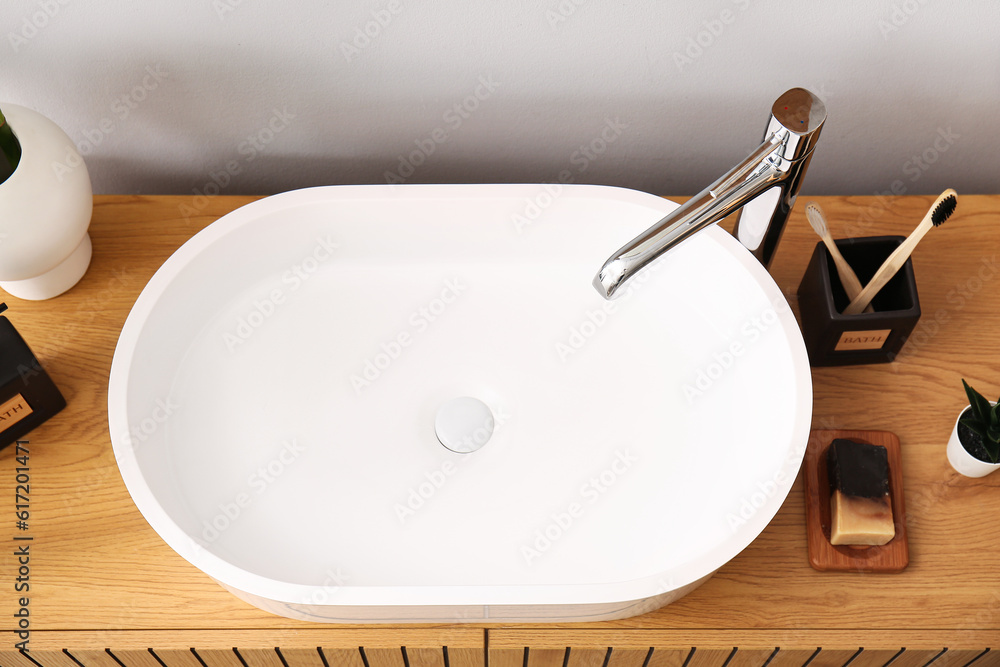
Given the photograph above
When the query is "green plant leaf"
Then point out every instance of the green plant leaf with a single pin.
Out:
(993, 451)
(975, 426)
(980, 406)
(10, 147)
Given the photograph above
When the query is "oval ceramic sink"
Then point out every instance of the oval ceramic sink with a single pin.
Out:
(278, 388)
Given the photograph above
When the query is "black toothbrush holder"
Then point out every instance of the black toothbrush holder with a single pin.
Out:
(834, 339)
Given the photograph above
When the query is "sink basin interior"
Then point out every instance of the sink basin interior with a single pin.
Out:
(274, 395)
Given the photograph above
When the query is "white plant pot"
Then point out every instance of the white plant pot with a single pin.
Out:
(964, 462)
(45, 211)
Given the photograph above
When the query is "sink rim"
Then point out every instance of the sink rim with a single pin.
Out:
(232, 576)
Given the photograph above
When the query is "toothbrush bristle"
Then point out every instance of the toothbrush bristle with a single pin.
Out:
(815, 216)
(944, 210)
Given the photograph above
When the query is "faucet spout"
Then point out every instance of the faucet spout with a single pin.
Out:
(762, 188)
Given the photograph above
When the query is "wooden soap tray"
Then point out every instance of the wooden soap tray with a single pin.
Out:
(823, 556)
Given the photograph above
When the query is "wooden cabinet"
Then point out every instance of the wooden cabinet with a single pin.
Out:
(106, 591)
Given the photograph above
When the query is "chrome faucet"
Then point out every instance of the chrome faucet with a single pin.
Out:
(762, 188)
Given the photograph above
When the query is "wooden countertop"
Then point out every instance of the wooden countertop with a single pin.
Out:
(101, 576)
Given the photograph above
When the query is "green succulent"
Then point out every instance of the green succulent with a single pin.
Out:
(985, 421)
(9, 148)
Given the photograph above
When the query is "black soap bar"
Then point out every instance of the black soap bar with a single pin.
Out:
(28, 396)
(858, 469)
(860, 505)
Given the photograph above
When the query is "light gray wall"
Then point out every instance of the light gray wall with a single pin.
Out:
(165, 97)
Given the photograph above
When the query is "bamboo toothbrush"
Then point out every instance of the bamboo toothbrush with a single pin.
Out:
(939, 212)
(847, 276)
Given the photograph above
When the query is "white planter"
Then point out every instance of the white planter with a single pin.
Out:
(45, 210)
(964, 462)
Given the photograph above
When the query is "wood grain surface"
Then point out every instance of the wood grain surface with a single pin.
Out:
(102, 579)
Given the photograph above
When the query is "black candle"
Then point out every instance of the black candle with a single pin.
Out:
(27, 394)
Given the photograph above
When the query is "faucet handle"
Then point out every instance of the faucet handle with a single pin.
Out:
(798, 116)
(796, 120)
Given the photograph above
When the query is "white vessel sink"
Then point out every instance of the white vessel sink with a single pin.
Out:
(276, 388)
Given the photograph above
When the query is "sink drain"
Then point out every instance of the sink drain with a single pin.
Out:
(464, 424)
